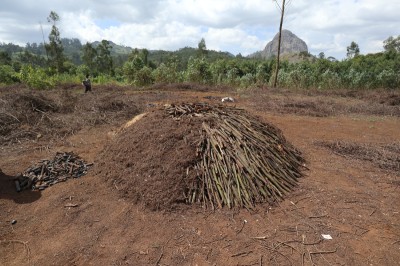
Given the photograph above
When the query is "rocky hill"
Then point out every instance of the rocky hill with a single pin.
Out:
(291, 44)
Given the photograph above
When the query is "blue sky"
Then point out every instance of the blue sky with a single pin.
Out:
(234, 26)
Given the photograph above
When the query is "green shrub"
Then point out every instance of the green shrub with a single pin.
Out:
(389, 79)
(247, 80)
(144, 77)
(8, 75)
(198, 70)
(165, 74)
(36, 78)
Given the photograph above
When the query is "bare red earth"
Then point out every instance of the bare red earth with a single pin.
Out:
(354, 201)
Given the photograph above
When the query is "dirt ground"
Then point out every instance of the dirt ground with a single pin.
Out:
(351, 196)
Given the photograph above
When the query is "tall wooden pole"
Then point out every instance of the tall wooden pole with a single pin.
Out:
(279, 45)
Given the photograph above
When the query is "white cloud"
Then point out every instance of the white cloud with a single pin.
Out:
(235, 26)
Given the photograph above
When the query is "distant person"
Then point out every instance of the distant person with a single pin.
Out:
(87, 84)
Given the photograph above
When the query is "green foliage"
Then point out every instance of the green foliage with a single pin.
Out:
(103, 79)
(202, 48)
(198, 70)
(389, 79)
(31, 59)
(167, 73)
(8, 75)
(55, 48)
(72, 50)
(89, 55)
(104, 62)
(141, 67)
(247, 80)
(392, 44)
(83, 70)
(10, 48)
(144, 77)
(36, 78)
(263, 72)
(353, 50)
(232, 76)
(5, 58)
(132, 67)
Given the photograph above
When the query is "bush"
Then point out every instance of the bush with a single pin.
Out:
(198, 70)
(8, 75)
(144, 77)
(165, 74)
(36, 78)
(132, 67)
(389, 79)
(247, 80)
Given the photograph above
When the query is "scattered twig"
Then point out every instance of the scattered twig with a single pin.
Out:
(395, 242)
(317, 216)
(285, 244)
(372, 212)
(301, 200)
(323, 252)
(245, 253)
(71, 205)
(162, 251)
(259, 237)
(12, 116)
(351, 201)
(309, 255)
(161, 255)
(240, 230)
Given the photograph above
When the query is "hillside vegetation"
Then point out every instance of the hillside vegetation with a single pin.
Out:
(44, 66)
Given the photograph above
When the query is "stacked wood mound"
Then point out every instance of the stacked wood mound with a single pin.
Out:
(214, 156)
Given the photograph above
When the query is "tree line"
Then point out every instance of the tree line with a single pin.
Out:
(43, 66)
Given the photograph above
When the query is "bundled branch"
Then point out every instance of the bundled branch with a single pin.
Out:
(50, 172)
(192, 109)
(241, 161)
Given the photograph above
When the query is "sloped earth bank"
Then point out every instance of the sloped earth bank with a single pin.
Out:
(351, 198)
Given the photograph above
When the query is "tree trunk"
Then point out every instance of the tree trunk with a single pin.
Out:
(279, 45)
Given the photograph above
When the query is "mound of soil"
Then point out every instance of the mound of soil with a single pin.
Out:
(200, 154)
(147, 161)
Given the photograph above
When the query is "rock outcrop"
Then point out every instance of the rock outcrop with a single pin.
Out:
(290, 44)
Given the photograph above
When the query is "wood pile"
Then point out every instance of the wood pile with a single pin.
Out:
(50, 172)
(241, 161)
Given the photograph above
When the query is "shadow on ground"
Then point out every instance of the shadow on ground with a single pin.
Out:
(8, 191)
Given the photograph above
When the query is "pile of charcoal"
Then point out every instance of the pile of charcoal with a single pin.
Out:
(50, 172)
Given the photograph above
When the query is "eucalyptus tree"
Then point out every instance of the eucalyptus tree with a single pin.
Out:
(104, 60)
(55, 48)
(353, 50)
(89, 54)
